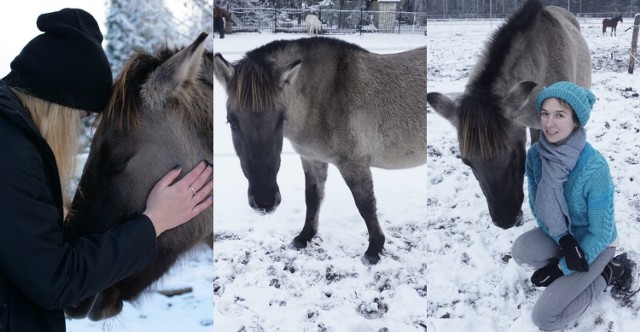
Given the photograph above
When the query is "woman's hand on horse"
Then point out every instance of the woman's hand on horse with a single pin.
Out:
(171, 205)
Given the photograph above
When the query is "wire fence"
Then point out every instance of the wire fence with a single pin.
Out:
(485, 17)
(334, 21)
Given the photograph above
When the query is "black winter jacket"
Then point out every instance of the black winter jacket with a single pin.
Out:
(40, 273)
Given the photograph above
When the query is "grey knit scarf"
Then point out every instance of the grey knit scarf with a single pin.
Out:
(557, 162)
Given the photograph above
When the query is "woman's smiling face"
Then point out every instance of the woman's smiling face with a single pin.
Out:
(557, 120)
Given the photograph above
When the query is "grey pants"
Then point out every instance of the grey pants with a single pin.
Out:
(568, 296)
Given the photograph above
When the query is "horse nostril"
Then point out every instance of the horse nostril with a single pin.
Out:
(278, 198)
(252, 202)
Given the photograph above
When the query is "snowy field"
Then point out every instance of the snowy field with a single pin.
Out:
(471, 288)
(262, 284)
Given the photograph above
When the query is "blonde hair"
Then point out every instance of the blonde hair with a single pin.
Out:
(60, 127)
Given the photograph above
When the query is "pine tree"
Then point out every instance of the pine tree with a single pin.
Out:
(143, 25)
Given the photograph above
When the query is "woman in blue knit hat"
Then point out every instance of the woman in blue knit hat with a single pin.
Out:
(571, 196)
(59, 76)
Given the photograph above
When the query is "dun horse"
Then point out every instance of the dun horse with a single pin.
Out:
(611, 23)
(337, 103)
(159, 115)
(536, 47)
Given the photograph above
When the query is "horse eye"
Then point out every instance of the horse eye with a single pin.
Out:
(232, 124)
(117, 167)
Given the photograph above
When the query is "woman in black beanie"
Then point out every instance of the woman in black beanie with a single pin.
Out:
(59, 76)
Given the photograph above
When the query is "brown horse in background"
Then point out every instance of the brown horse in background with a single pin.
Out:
(611, 23)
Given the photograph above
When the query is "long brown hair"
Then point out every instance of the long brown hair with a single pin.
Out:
(60, 127)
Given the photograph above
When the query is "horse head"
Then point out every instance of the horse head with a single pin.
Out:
(492, 137)
(159, 115)
(256, 116)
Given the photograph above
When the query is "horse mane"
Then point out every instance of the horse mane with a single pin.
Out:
(254, 83)
(124, 106)
(482, 123)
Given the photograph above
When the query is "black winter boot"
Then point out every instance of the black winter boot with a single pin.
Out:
(619, 275)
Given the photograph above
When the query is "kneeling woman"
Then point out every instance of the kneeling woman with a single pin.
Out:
(571, 197)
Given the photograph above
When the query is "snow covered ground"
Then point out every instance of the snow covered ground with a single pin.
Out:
(471, 288)
(262, 284)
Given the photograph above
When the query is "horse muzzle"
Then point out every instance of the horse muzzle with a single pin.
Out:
(506, 223)
(98, 307)
(265, 206)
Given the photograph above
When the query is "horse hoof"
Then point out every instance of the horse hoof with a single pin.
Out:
(370, 259)
(299, 243)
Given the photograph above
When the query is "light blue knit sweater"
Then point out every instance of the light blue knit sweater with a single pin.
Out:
(589, 193)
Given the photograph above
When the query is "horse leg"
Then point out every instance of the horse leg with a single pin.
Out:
(358, 179)
(315, 175)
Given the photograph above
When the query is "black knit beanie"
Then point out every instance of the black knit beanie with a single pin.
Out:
(66, 64)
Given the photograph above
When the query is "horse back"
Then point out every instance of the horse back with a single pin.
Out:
(358, 104)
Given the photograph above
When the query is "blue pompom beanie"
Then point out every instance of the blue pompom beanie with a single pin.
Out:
(65, 64)
(580, 99)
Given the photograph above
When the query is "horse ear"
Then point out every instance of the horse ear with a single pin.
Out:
(222, 69)
(444, 106)
(182, 67)
(516, 101)
(290, 73)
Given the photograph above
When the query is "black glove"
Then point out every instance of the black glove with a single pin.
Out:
(573, 254)
(546, 275)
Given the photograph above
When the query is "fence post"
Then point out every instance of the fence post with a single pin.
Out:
(275, 20)
(360, 25)
(634, 43)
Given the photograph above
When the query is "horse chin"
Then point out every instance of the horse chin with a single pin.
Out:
(106, 305)
(81, 309)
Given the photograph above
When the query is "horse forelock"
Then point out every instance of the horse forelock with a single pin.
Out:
(482, 126)
(253, 86)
